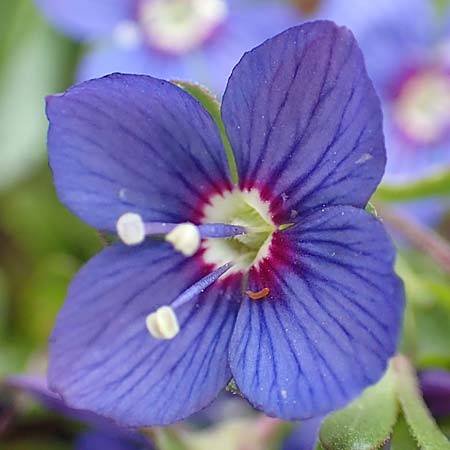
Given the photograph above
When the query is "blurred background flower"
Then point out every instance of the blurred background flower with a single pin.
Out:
(409, 62)
(190, 40)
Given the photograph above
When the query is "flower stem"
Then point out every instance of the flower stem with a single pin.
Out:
(422, 237)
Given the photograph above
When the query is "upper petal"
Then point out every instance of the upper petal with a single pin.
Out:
(331, 321)
(304, 120)
(130, 143)
(103, 359)
(85, 19)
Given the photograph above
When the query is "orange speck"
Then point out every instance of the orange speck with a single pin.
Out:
(258, 295)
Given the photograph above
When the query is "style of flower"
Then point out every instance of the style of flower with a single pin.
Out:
(197, 40)
(280, 279)
(409, 62)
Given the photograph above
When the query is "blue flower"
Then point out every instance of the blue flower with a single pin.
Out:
(305, 436)
(289, 287)
(103, 433)
(408, 60)
(197, 40)
(435, 385)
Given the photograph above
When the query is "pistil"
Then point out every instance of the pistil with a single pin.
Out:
(185, 237)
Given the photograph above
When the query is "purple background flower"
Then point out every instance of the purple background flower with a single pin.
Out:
(118, 32)
(435, 385)
(103, 435)
(408, 61)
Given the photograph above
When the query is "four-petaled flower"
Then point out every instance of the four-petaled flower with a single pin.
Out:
(290, 287)
(197, 40)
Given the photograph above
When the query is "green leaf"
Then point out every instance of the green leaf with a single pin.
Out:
(33, 63)
(432, 336)
(167, 438)
(401, 437)
(419, 419)
(211, 104)
(437, 185)
(370, 208)
(366, 423)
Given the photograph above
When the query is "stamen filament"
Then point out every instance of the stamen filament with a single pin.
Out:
(200, 286)
(163, 323)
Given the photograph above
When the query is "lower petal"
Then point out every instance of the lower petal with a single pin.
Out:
(103, 359)
(331, 321)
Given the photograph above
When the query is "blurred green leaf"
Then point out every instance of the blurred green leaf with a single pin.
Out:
(426, 284)
(34, 62)
(13, 355)
(211, 104)
(33, 215)
(3, 302)
(36, 443)
(366, 423)
(432, 336)
(401, 437)
(42, 293)
(437, 185)
(370, 208)
(168, 438)
(422, 425)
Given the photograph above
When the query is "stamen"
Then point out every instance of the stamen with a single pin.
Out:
(131, 229)
(258, 295)
(163, 324)
(185, 238)
(200, 286)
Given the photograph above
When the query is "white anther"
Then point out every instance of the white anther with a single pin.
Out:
(185, 238)
(131, 229)
(163, 324)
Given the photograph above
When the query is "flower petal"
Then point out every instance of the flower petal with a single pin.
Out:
(130, 143)
(37, 387)
(86, 19)
(103, 359)
(304, 120)
(330, 322)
